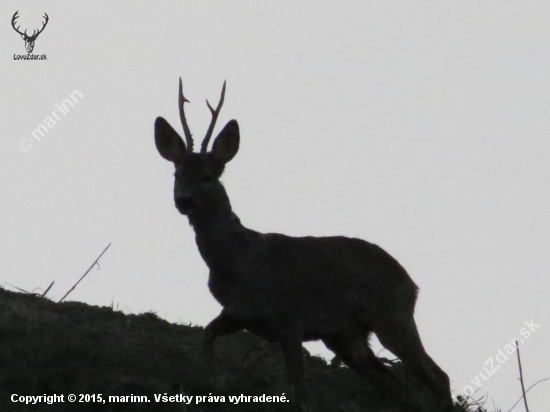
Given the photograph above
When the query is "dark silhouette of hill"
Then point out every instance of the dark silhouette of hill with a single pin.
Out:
(48, 348)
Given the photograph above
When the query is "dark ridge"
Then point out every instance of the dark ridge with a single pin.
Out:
(73, 348)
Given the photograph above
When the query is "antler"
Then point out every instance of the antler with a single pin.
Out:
(15, 16)
(43, 26)
(188, 135)
(215, 114)
(34, 33)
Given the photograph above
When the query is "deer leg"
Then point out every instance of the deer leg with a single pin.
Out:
(402, 338)
(221, 325)
(352, 348)
(294, 359)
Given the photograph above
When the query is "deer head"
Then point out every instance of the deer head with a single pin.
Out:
(29, 40)
(197, 189)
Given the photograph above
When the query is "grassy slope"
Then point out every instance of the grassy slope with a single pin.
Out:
(50, 348)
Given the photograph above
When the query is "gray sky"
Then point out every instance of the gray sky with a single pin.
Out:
(420, 126)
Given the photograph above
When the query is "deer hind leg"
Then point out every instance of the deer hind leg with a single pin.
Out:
(402, 338)
(221, 325)
(353, 349)
(291, 347)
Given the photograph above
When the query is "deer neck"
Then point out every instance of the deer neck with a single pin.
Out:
(217, 233)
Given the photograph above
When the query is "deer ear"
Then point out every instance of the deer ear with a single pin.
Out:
(226, 145)
(168, 141)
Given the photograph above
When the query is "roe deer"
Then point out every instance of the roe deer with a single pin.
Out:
(295, 289)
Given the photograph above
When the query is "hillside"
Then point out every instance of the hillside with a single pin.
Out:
(48, 348)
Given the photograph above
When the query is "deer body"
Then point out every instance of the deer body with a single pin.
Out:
(294, 289)
(315, 285)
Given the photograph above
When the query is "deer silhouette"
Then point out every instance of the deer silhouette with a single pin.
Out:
(29, 40)
(295, 289)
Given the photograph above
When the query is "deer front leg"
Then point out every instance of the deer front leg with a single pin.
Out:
(222, 325)
(291, 346)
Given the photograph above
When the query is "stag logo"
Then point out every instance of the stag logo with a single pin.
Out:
(29, 40)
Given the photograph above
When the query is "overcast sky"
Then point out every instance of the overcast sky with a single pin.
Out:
(420, 126)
